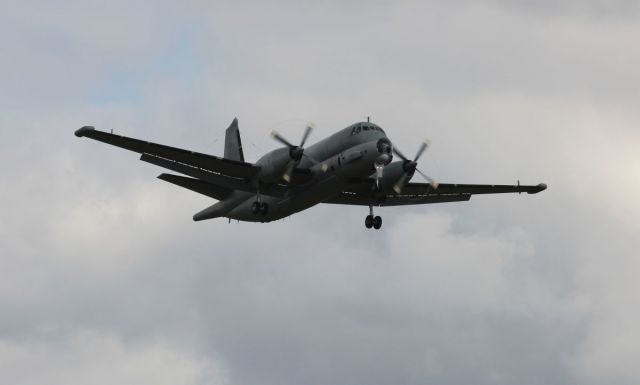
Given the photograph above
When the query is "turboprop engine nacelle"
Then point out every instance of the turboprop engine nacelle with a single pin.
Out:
(274, 170)
(392, 172)
(274, 165)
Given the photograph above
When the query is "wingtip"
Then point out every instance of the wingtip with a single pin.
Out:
(83, 130)
(540, 187)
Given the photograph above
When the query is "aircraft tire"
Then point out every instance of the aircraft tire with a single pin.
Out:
(255, 208)
(368, 221)
(377, 222)
(264, 209)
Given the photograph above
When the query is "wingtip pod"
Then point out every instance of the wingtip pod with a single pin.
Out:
(540, 187)
(82, 131)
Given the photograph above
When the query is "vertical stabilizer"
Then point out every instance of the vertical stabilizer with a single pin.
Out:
(232, 142)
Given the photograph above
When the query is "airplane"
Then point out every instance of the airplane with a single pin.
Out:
(354, 166)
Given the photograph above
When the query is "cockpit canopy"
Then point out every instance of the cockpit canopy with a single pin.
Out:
(365, 126)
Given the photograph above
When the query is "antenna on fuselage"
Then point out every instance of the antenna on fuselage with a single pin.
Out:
(368, 120)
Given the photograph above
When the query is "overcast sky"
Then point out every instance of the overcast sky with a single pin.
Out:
(104, 277)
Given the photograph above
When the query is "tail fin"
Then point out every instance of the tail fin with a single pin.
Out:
(232, 142)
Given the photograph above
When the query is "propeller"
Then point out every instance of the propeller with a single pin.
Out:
(411, 166)
(295, 152)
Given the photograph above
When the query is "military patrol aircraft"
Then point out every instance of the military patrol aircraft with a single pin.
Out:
(352, 167)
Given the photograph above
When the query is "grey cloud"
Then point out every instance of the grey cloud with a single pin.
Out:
(101, 262)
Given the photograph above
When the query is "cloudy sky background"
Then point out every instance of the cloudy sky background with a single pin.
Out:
(104, 278)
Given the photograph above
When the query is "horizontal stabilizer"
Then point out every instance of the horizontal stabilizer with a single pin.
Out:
(214, 211)
(197, 185)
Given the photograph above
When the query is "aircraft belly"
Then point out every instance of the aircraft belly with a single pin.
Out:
(283, 207)
(301, 200)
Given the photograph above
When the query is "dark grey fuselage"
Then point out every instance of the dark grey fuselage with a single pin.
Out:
(349, 153)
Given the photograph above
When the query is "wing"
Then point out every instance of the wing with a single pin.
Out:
(423, 193)
(210, 163)
(227, 174)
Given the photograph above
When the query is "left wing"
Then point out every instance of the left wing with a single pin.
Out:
(423, 193)
(214, 164)
(219, 173)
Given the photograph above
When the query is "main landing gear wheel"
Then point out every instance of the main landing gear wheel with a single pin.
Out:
(368, 221)
(377, 222)
(260, 208)
(371, 221)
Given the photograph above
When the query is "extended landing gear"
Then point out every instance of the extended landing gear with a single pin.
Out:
(260, 208)
(371, 221)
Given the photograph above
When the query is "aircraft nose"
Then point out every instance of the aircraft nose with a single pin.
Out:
(384, 146)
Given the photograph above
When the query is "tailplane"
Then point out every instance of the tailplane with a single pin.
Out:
(232, 142)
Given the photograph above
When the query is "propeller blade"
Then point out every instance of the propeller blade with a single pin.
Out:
(433, 183)
(314, 161)
(280, 139)
(423, 146)
(305, 136)
(289, 171)
(400, 183)
(397, 152)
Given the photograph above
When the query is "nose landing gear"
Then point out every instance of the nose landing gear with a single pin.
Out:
(372, 221)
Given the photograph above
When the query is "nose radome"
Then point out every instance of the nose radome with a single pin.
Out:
(384, 146)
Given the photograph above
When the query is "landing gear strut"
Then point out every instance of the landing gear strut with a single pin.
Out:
(372, 221)
(259, 207)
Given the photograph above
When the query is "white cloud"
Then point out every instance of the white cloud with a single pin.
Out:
(95, 358)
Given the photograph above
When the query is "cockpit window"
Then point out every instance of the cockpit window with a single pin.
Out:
(358, 128)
